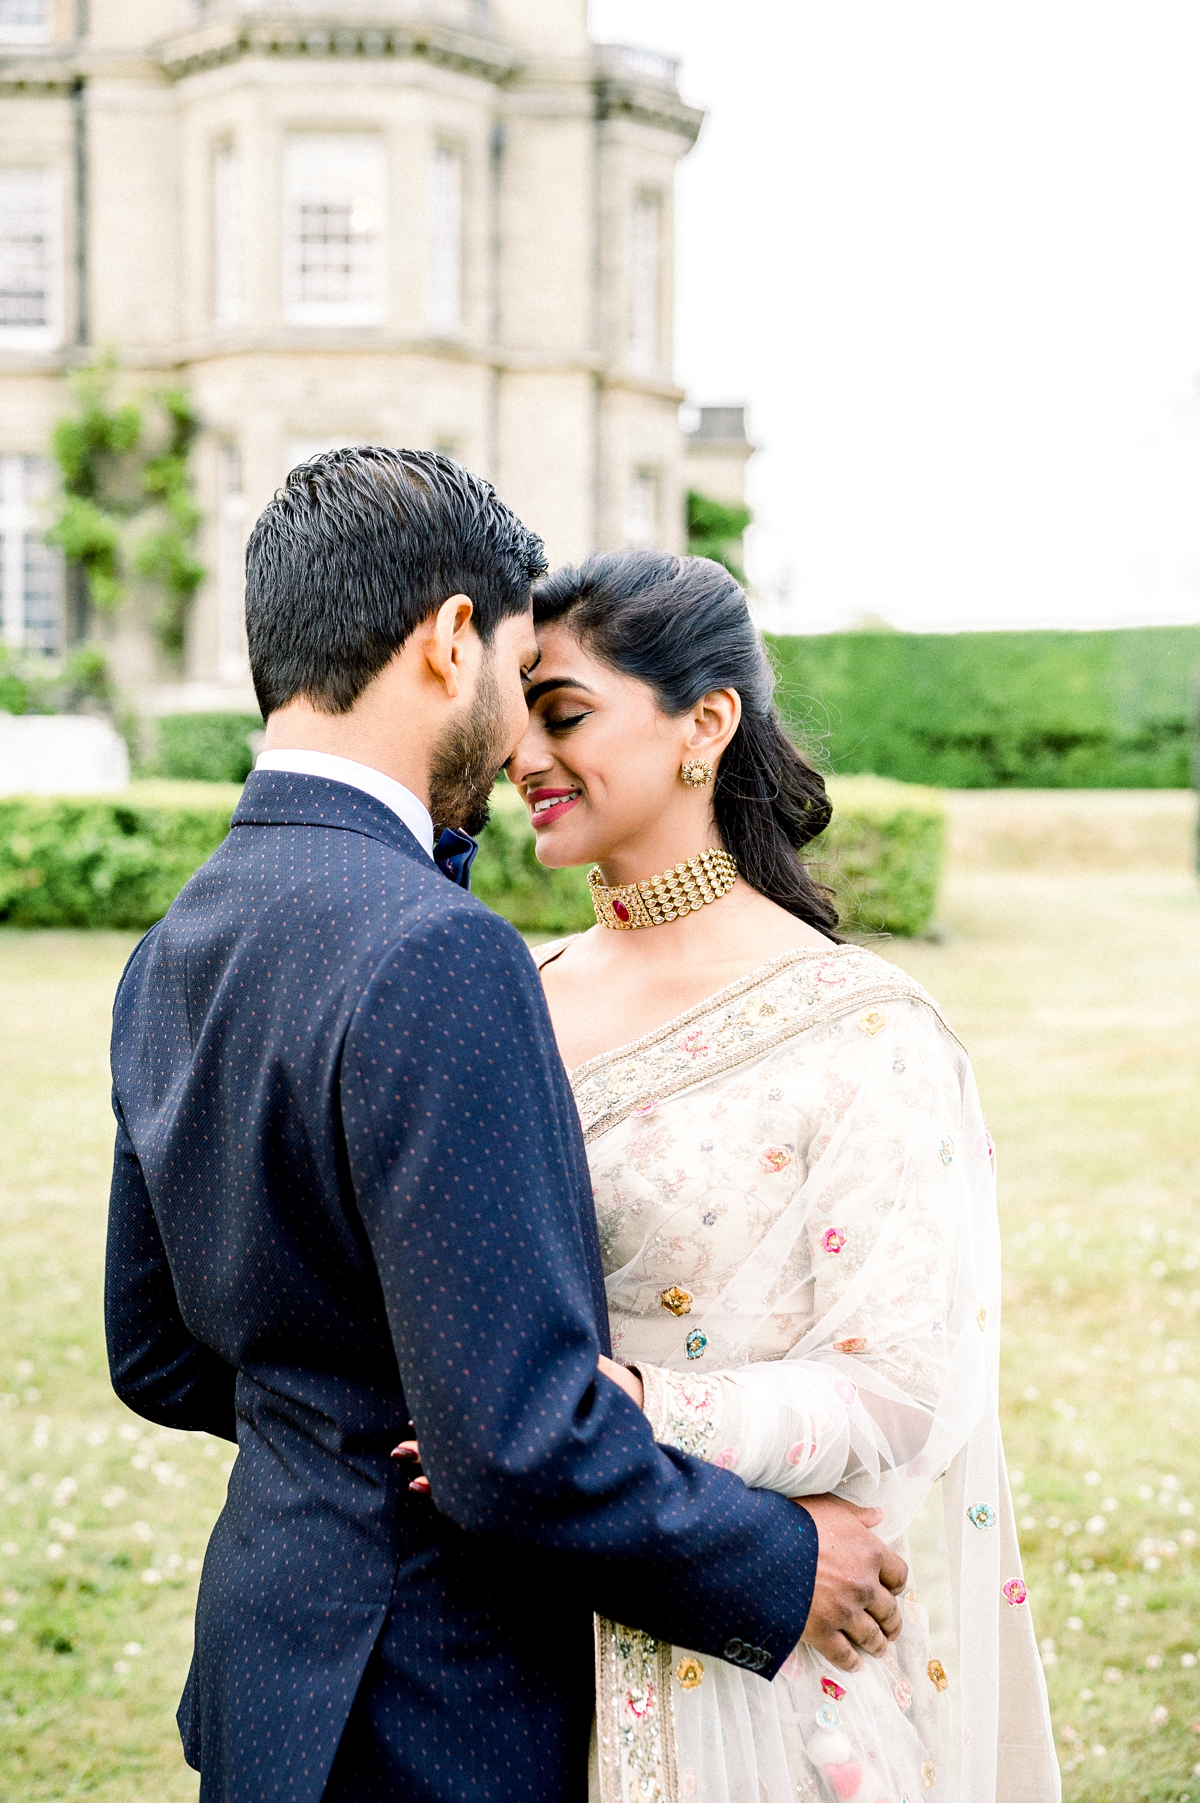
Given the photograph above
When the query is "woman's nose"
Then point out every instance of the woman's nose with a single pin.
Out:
(529, 759)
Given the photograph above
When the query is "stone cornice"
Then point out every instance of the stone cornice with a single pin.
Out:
(40, 70)
(320, 39)
(633, 85)
(182, 355)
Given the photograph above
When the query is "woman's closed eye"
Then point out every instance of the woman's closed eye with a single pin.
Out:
(566, 721)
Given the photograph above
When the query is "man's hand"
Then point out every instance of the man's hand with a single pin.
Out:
(853, 1609)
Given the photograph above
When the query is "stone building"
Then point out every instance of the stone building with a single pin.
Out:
(444, 223)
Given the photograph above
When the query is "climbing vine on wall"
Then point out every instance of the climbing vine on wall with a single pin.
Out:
(714, 529)
(128, 508)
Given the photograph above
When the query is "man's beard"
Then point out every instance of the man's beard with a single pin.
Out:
(467, 761)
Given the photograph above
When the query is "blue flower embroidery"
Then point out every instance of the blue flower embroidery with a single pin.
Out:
(696, 1343)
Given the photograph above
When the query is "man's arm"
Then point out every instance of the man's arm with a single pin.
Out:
(156, 1365)
(470, 1176)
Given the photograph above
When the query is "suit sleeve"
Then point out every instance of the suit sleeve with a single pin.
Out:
(468, 1166)
(157, 1367)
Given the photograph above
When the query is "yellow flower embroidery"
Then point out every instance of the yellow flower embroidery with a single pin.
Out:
(872, 1021)
(690, 1672)
(937, 1675)
(678, 1301)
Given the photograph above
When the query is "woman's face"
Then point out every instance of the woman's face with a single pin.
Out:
(599, 765)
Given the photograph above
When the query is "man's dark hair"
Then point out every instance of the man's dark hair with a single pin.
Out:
(356, 549)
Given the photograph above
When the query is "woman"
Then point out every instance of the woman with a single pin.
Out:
(795, 1191)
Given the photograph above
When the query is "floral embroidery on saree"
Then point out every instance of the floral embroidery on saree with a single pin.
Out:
(635, 1729)
(790, 995)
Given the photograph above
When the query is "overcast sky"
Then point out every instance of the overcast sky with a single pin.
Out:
(949, 252)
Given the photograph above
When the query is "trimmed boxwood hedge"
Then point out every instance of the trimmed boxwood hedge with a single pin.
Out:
(106, 861)
(119, 861)
(986, 710)
(205, 748)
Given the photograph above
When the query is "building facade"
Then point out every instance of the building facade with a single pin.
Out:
(436, 223)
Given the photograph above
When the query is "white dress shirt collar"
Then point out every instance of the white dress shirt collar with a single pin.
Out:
(386, 789)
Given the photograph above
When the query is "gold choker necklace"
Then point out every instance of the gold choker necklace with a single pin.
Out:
(684, 890)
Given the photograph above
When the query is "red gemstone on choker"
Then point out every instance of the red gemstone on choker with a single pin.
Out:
(621, 911)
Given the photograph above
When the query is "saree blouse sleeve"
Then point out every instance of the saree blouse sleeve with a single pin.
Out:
(879, 1276)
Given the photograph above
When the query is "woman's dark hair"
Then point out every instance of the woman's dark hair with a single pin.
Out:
(356, 550)
(681, 625)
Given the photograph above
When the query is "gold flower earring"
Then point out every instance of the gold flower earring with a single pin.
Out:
(696, 773)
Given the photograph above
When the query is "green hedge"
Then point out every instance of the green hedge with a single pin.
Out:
(119, 861)
(206, 748)
(882, 854)
(106, 861)
(983, 710)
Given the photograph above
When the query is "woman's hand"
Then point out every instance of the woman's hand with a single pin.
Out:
(408, 1449)
(628, 1380)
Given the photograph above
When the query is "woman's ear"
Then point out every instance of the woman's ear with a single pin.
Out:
(712, 723)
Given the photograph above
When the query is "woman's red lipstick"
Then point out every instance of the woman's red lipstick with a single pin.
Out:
(546, 805)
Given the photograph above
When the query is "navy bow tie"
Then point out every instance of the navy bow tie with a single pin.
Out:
(454, 853)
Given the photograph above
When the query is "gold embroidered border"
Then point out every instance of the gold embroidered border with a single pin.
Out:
(635, 1718)
(598, 1118)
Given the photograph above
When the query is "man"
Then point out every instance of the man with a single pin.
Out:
(350, 1203)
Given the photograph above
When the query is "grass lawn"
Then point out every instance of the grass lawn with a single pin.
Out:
(1079, 996)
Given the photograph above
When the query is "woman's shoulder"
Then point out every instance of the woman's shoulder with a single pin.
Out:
(845, 979)
(552, 948)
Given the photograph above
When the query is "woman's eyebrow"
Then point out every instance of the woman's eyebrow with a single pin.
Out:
(538, 689)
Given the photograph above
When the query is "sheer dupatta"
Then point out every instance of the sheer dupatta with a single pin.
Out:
(796, 1196)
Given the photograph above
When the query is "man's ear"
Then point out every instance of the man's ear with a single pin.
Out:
(446, 642)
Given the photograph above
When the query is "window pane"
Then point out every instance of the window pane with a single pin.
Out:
(227, 236)
(232, 660)
(29, 258)
(644, 268)
(24, 21)
(31, 572)
(444, 303)
(335, 200)
(641, 509)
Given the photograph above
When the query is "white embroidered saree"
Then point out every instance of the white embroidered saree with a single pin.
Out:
(796, 1199)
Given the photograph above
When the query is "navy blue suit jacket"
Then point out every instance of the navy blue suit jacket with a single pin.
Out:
(350, 1193)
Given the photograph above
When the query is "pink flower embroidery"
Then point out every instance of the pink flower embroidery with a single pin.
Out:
(687, 1785)
(845, 1779)
(694, 1045)
(803, 1449)
(1014, 1592)
(792, 1666)
(849, 1345)
(726, 1458)
(983, 1147)
(845, 1391)
(904, 1694)
(833, 1239)
(774, 1158)
(640, 1703)
(832, 1689)
(830, 977)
